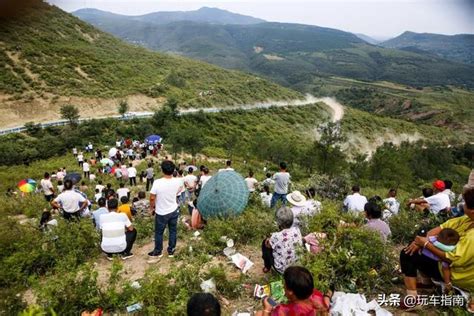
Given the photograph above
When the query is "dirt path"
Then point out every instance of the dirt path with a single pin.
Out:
(43, 110)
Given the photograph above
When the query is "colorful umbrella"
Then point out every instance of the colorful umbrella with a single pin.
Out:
(74, 177)
(106, 161)
(27, 185)
(225, 194)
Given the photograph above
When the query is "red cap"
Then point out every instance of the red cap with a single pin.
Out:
(438, 185)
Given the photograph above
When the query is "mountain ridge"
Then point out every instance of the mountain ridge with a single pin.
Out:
(203, 14)
(458, 47)
(291, 53)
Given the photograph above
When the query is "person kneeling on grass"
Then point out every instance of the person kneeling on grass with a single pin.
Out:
(118, 234)
(303, 299)
(279, 251)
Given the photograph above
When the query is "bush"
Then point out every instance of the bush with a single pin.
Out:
(352, 258)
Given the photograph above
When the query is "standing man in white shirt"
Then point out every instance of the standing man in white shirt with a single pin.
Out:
(392, 206)
(123, 191)
(132, 174)
(163, 204)
(118, 234)
(355, 202)
(282, 181)
(86, 169)
(47, 187)
(70, 202)
(251, 182)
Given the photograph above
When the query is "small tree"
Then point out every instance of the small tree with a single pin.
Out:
(71, 113)
(123, 107)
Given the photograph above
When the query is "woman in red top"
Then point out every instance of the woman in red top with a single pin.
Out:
(303, 299)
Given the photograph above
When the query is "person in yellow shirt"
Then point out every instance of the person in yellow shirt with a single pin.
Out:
(125, 208)
(460, 260)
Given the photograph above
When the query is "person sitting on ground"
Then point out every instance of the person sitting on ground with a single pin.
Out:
(101, 210)
(228, 166)
(60, 186)
(279, 251)
(282, 182)
(83, 187)
(123, 191)
(203, 304)
(47, 220)
(251, 182)
(70, 202)
(266, 196)
(445, 241)
(460, 260)
(97, 195)
(373, 213)
(125, 207)
(355, 202)
(437, 202)
(141, 206)
(312, 206)
(448, 185)
(268, 181)
(118, 234)
(392, 206)
(303, 298)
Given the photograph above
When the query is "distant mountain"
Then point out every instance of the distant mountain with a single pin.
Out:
(291, 54)
(458, 48)
(46, 52)
(204, 15)
(367, 38)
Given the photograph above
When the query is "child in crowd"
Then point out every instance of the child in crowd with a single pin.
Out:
(446, 241)
(125, 208)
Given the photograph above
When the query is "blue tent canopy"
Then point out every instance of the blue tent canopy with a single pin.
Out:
(153, 139)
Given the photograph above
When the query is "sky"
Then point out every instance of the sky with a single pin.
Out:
(380, 19)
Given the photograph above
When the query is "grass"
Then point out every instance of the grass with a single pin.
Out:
(47, 50)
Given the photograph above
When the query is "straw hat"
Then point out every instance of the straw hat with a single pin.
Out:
(296, 198)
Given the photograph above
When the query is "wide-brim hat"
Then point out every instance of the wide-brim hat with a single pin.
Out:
(296, 198)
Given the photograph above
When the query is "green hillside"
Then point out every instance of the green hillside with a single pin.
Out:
(45, 50)
(440, 106)
(458, 48)
(291, 54)
(204, 14)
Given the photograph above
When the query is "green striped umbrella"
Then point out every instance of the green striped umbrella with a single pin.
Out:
(225, 194)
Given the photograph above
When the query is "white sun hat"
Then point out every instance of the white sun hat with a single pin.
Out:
(296, 198)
